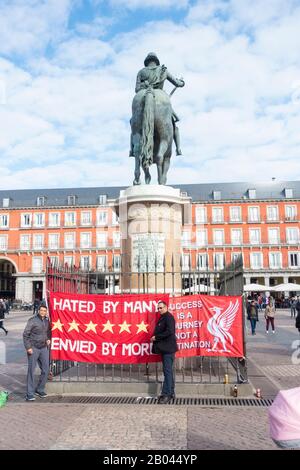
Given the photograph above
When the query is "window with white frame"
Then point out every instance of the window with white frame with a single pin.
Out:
(26, 220)
(101, 239)
(70, 219)
(294, 260)
(3, 242)
(69, 240)
(256, 260)
(53, 241)
(114, 218)
(116, 262)
(186, 238)
(288, 192)
(103, 199)
(38, 241)
(252, 193)
(102, 218)
(273, 235)
(219, 260)
(5, 202)
(254, 236)
(54, 219)
(40, 201)
(69, 260)
(4, 220)
(39, 219)
(101, 263)
(37, 264)
(85, 240)
(253, 214)
(272, 213)
(202, 262)
(25, 242)
(217, 195)
(235, 256)
(275, 260)
(218, 236)
(185, 262)
(201, 237)
(116, 239)
(217, 214)
(54, 260)
(291, 212)
(85, 263)
(292, 235)
(235, 214)
(201, 215)
(86, 218)
(71, 200)
(236, 236)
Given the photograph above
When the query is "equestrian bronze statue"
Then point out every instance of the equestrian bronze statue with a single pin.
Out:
(153, 122)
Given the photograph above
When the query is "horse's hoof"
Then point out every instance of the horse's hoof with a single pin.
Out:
(148, 179)
(136, 182)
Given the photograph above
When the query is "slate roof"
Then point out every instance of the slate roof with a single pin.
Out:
(57, 197)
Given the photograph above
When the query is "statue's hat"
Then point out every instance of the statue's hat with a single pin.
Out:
(151, 57)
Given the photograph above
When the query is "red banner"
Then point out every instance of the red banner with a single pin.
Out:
(116, 329)
(208, 325)
(111, 329)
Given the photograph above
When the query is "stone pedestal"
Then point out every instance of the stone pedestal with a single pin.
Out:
(151, 219)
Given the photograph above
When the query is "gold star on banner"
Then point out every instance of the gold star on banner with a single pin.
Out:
(124, 327)
(73, 326)
(57, 325)
(108, 327)
(91, 326)
(142, 327)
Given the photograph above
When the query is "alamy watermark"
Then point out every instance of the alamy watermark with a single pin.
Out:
(296, 353)
(2, 352)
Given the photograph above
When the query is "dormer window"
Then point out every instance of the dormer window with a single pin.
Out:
(288, 193)
(5, 202)
(71, 200)
(102, 199)
(252, 193)
(40, 201)
(217, 195)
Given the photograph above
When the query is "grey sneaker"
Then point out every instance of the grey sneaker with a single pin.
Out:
(30, 398)
(41, 394)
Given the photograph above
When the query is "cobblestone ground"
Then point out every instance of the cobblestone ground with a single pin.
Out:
(125, 427)
(39, 425)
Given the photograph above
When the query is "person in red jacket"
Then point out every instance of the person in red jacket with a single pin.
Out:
(164, 343)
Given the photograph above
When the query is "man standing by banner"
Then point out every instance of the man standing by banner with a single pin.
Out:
(164, 343)
(36, 339)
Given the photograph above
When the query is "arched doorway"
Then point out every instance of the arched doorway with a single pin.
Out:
(7, 279)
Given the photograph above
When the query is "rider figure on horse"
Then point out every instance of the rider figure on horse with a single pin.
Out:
(154, 75)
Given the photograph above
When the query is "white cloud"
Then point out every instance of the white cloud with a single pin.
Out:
(80, 52)
(27, 26)
(161, 4)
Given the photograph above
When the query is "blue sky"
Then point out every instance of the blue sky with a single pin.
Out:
(67, 77)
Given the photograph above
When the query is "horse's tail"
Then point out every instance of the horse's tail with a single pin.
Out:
(148, 130)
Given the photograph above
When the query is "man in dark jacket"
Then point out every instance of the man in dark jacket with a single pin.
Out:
(36, 339)
(164, 343)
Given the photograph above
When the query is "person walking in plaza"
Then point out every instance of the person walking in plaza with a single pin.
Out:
(2, 316)
(293, 307)
(164, 343)
(36, 338)
(253, 315)
(270, 315)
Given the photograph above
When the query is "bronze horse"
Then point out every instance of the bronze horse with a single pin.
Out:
(152, 133)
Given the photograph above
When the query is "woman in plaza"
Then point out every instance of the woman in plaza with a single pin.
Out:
(270, 315)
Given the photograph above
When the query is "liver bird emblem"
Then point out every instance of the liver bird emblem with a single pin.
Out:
(220, 323)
